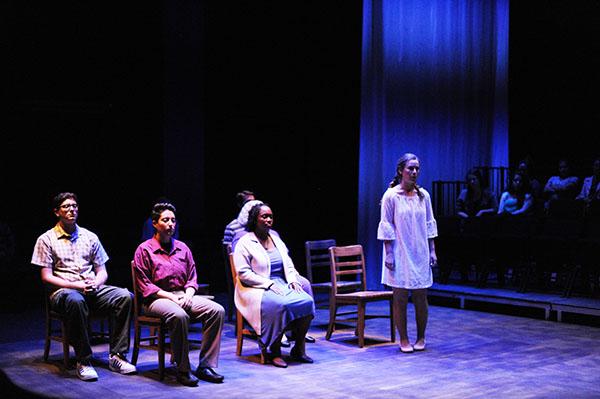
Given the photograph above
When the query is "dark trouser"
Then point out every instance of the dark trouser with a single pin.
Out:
(113, 301)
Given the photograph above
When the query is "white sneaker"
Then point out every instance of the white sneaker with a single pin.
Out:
(119, 365)
(86, 372)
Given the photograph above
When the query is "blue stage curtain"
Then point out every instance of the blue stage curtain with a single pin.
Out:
(434, 83)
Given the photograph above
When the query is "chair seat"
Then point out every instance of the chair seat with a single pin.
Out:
(340, 284)
(358, 295)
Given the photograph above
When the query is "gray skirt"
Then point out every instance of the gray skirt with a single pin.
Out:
(278, 311)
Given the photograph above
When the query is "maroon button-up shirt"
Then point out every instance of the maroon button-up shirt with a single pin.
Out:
(156, 269)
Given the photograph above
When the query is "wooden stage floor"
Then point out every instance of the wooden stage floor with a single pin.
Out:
(470, 354)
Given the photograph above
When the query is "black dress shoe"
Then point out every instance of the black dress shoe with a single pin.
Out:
(187, 378)
(310, 339)
(208, 374)
(300, 357)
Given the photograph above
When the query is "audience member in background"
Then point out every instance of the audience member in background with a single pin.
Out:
(525, 169)
(476, 200)
(590, 191)
(148, 230)
(235, 227)
(407, 228)
(517, 200)
(269, 295)
(241, 222)
(165, 272)
(562, 186)
(72, 263)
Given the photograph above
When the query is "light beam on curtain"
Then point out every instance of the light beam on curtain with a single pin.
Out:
(434, 83)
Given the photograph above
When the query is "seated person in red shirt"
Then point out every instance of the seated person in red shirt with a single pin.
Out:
(165, 271)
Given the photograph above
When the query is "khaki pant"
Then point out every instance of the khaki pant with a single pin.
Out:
(208, 312)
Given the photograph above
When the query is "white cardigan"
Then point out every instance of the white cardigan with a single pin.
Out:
(253, 268)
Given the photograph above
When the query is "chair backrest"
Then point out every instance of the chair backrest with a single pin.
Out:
(318, 262)
(232, 268)
(137, 302)
(347, 263)
(226, 248)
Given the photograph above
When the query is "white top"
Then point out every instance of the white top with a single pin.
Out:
(407, 221)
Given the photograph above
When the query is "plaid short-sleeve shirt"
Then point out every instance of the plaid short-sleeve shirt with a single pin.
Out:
(72, 257)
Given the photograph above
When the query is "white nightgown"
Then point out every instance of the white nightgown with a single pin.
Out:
(408, 221)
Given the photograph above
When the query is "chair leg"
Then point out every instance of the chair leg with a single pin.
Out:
(263, 357)
(360, 324)
(239, 322)
(332, 314)
(47, 342)
(65, 342)
(136, 343)
(161, 354)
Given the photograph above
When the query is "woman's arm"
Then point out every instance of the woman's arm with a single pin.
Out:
(432, 254)
(527, 204)
(502, 202)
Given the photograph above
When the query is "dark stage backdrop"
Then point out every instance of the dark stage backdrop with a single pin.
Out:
(197, 100)
(192, 100)
(554, 83)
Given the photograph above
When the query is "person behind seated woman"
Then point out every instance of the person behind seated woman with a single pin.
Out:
(517, 200)
(165, 273)
(268, 294)
(590, 191)
(562, 186)
(235, 227)
(476, 200)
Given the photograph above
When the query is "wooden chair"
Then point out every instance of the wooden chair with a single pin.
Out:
(318, 269)
(229, 277)
(242, 327)
(56, 329)
(156, 339)
(348, 262)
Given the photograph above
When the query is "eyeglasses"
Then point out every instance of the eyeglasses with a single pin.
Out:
(68, 206)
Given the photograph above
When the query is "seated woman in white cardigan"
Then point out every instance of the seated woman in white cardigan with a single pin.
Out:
(269, 295)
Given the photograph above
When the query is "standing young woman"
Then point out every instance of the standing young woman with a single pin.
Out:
(407, 229)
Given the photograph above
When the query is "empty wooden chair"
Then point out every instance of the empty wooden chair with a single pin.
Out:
(318, 270)
(348, 264)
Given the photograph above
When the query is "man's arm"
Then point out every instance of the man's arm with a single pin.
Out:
(55, 281)
(101, 275)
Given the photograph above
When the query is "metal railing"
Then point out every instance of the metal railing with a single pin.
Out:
(445, 192)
